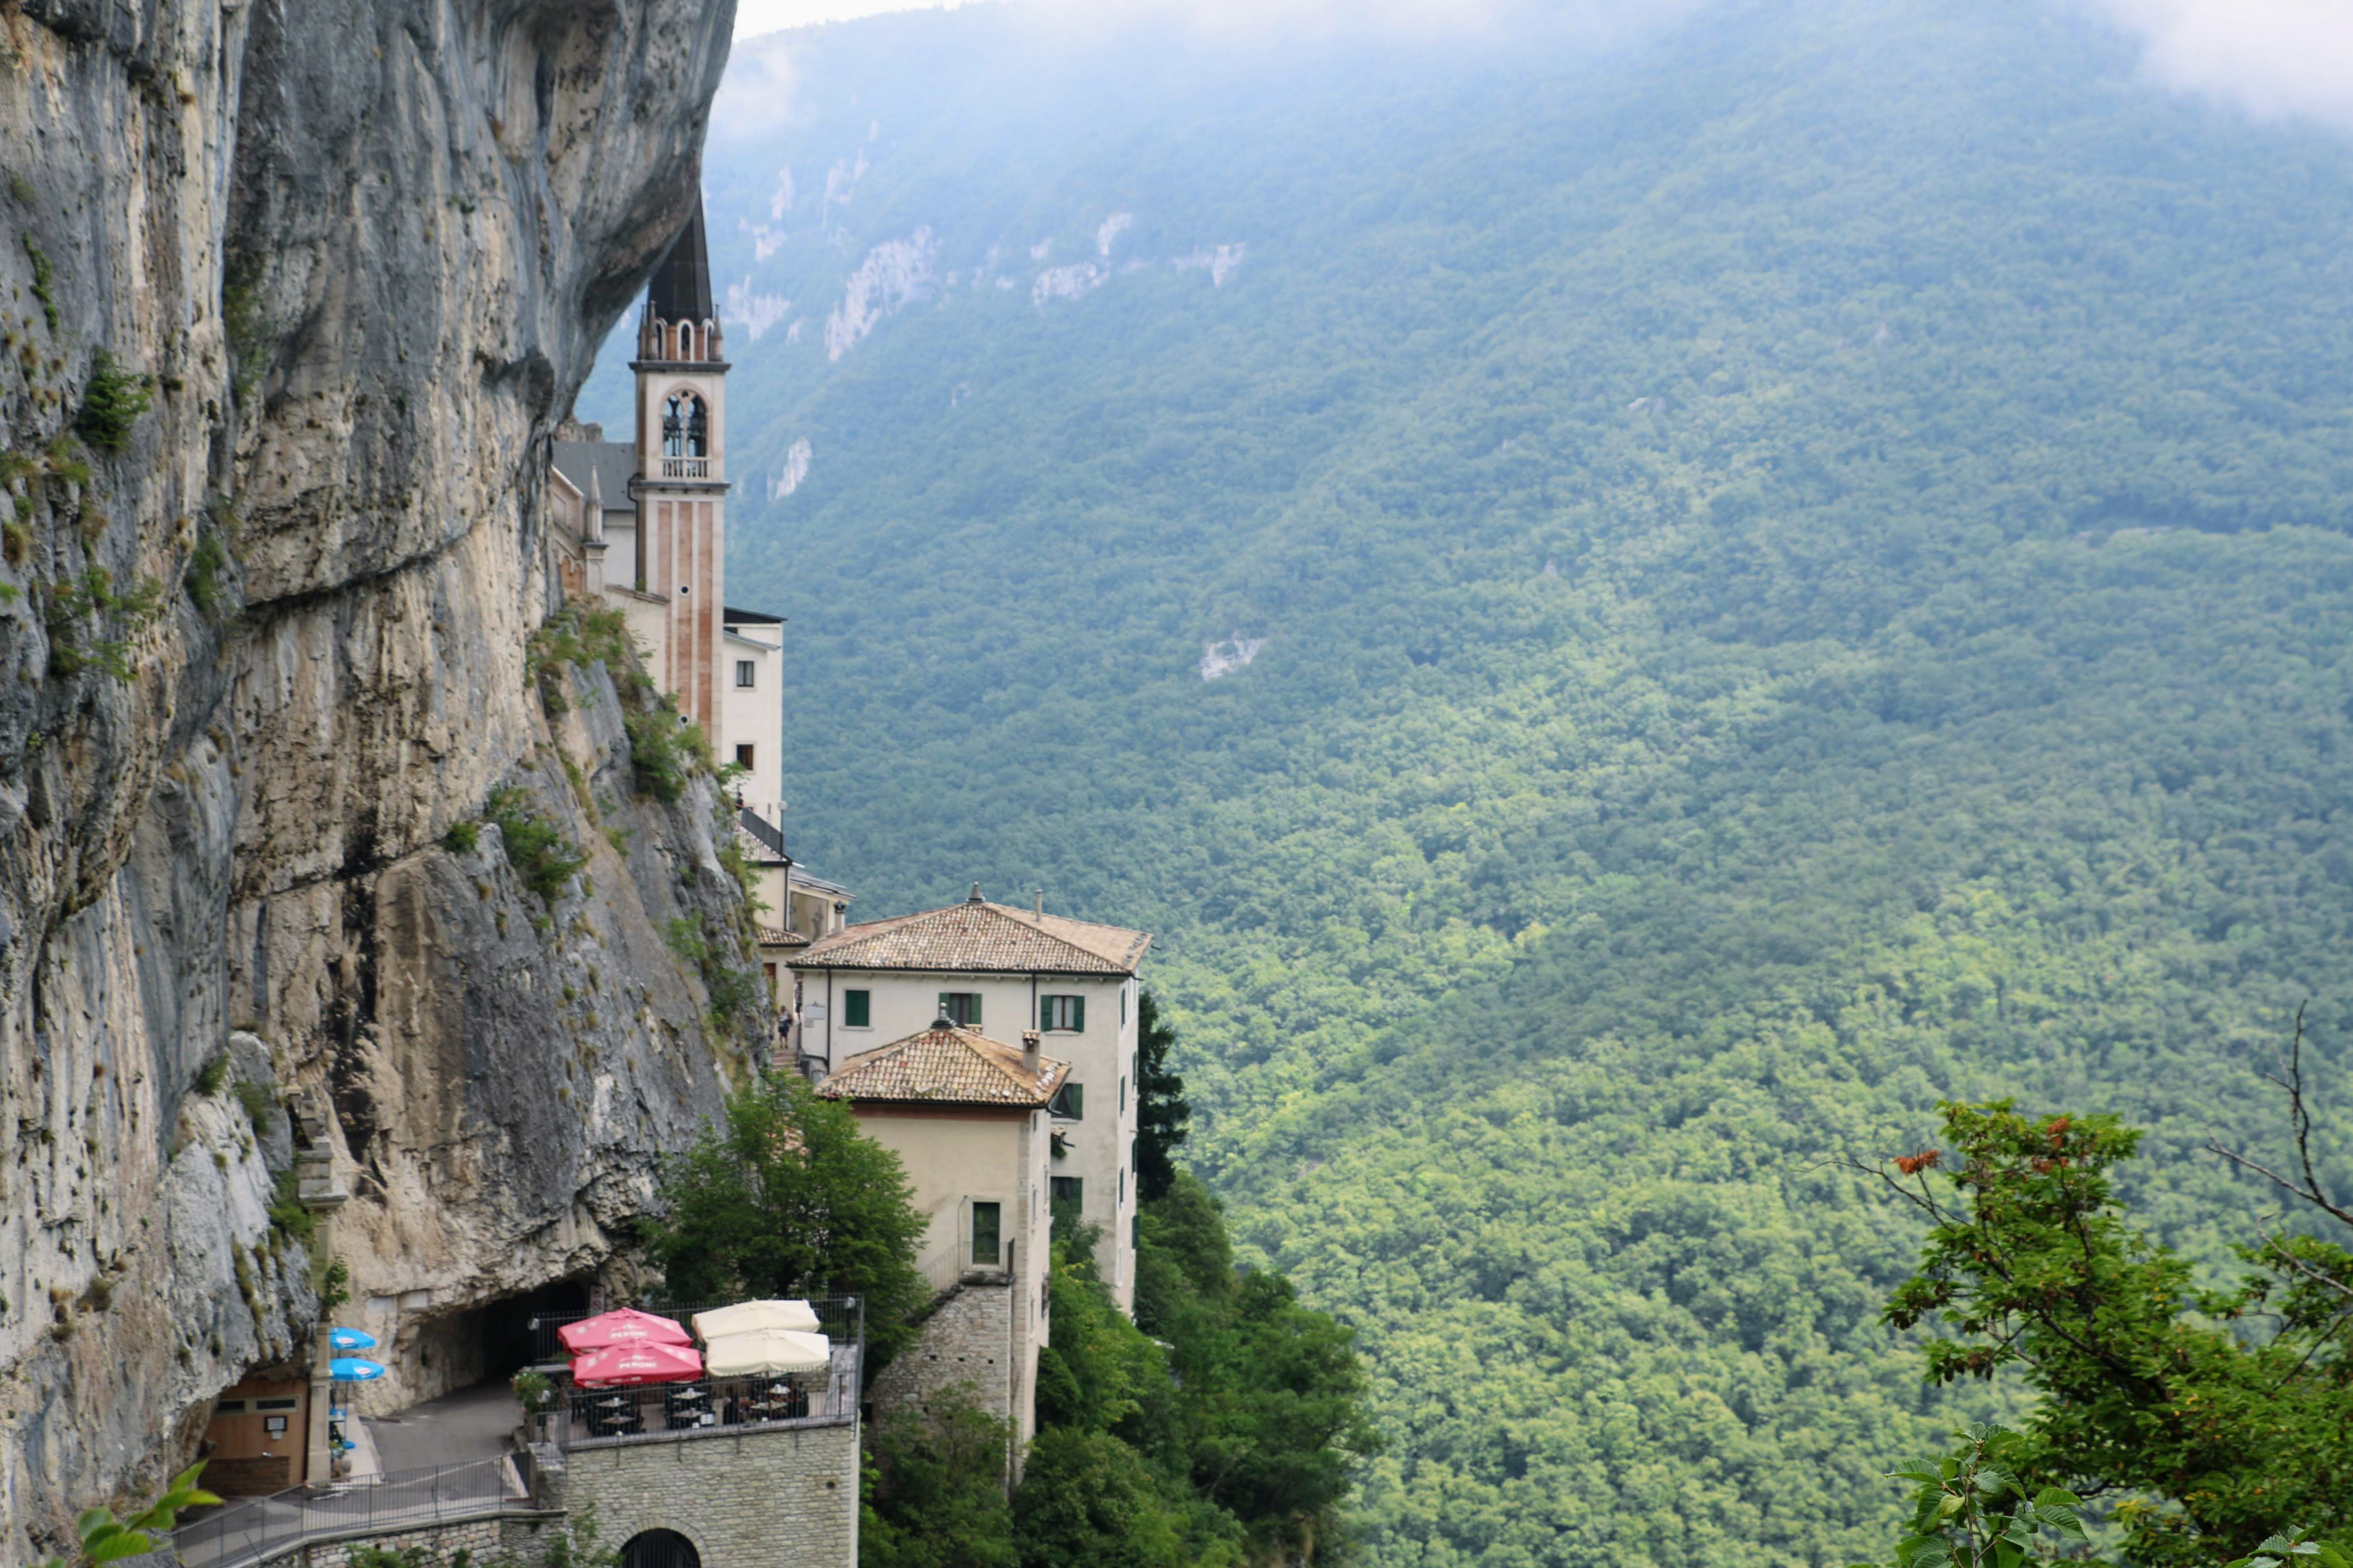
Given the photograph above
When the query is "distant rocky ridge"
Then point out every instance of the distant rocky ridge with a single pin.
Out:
(264, 644)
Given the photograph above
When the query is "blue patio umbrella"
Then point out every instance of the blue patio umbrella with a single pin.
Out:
(351, 1340)
(352, 1369)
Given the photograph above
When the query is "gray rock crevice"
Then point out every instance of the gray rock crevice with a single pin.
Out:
(259, 655)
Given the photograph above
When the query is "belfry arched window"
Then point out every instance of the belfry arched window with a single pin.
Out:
(686, 427)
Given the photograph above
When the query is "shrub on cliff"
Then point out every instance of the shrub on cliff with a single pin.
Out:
(111, 404)
(540, 855)
(666, 749)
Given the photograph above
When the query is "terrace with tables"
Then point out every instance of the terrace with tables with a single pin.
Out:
(639, 1376)
(612, 1381)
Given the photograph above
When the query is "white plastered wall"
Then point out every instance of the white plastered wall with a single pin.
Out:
(1099, 1146)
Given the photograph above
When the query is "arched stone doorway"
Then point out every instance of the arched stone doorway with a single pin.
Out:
(659, 1548)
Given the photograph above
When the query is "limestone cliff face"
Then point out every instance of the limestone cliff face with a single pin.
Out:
(264, 644)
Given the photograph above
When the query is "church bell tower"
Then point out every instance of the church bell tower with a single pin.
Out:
(681, 371)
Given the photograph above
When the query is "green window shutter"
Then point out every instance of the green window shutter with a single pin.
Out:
(856, 1008)
(986, 1219)
(1078, 1012)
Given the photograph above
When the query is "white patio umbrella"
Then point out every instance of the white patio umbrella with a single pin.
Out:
(792, 1317)
(765, 1350)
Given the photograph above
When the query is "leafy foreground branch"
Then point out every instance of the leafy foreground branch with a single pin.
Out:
(106, 1539)
(1961, 1516)
(2220, 1422)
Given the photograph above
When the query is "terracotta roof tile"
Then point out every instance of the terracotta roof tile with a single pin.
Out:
(945, 1065)
(778, 936)
(990, 938)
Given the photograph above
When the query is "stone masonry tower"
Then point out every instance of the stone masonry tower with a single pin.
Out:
(682, 370)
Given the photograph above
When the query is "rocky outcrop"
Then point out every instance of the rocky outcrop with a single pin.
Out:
(263, 646)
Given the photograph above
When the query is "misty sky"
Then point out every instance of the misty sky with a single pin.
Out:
(2274, 59)
(756, 16)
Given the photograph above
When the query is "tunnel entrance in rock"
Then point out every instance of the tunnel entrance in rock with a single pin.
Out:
(518, 1331)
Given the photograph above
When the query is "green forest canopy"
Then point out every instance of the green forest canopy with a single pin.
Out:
(1802, 558)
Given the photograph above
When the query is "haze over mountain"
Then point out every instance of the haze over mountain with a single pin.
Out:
(1634, 607)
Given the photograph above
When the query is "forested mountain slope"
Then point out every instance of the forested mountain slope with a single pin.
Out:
(1801, 558)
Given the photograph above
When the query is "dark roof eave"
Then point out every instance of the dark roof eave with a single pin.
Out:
(969, 969)
(1024, 1106)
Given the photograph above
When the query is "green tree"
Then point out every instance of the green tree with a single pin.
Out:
(1164, 1117)
(789, 1198)
(2224, 1416)
(1270, 1393)
(935, 1491)
(1088, 1500)
(1099, 1372)
(1277, 1416)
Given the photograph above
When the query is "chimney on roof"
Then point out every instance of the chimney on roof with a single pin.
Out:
(975, 898)
(1041, 906)
(943, 1021)
(1030, 1038)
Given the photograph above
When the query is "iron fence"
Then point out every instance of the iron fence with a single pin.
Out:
(708, 1406)
(255, 1532)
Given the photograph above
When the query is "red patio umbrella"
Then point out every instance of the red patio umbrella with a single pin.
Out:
(623, 1326)
(621, 1366)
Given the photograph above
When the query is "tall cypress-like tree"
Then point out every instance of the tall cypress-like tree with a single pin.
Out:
(1164, 1117)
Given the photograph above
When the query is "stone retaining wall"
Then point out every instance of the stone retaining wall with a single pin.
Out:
(781, 1497)
(511, 1538)
(965, 1346)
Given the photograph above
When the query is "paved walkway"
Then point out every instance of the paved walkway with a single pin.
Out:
(471, 1423)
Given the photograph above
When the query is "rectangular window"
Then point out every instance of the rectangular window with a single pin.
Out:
(960, 1007)
(1123, 1094)
(984, 1222)
(276, 1404)
(744, 672)
(744, 756)
(856, 1009)
(1062, 1011)
(1070, 1190)
(1070, 1103)
(228, 1407)
(1123, 1006)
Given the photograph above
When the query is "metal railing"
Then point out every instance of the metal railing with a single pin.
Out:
(710, 1406)
(686, 468)
(269, 1527)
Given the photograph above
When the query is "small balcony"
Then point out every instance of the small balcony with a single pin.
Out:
(686, 468)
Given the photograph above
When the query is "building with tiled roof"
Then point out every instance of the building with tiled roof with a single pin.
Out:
(979, 937)
(968, 1118)
(999, 969)
(945, 1065)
